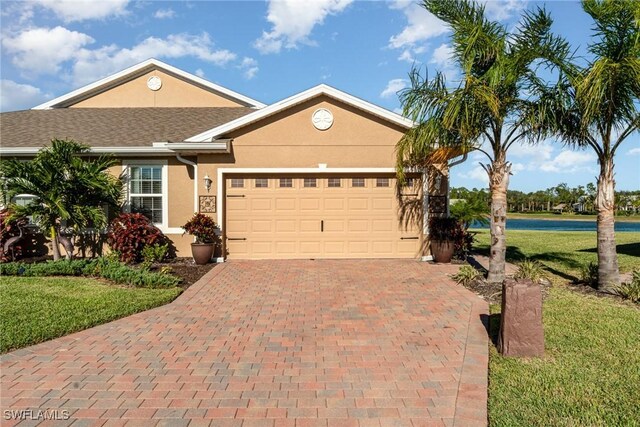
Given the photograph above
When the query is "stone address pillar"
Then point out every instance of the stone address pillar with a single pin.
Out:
(521, 331)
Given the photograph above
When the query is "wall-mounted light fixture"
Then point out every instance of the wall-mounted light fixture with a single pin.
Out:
(207, 182)
(438, 182)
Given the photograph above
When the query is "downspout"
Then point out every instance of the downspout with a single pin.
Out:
(195, 179)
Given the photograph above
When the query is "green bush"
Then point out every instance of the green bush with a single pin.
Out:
(114, 271)
(530, 269)
(155, 253)
(631, 290)
(589, 274)
(466, 275)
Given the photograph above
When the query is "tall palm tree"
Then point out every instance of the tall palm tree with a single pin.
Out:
(601, 111)
(68, 186)
(499, 100)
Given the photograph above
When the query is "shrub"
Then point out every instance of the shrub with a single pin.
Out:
(530, 269)
(203, 228)
(466, 275)
(589, 274)
(130, 233)
(10, 228)
(630, 290)
(114, 271)
(155, 253)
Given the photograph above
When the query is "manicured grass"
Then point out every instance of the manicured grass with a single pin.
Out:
(563, 252)
(568, 216)
(36, 309)
(590, 375)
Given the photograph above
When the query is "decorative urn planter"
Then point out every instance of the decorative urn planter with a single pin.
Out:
(205, 230)
(202, 252)
(442, 250)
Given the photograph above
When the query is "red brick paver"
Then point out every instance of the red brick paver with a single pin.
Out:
(273, 343)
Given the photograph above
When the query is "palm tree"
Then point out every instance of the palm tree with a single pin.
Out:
(68, 187)
(499, 100)
(600, 111)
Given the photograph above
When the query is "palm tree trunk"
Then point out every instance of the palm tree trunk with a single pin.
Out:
(608, 273)
(498, 184)
(55, 244)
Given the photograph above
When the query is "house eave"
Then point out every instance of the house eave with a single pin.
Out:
(158, 149)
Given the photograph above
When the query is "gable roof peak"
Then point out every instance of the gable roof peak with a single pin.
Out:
(140, 68)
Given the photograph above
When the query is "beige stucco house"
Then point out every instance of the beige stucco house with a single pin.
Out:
(311, 176)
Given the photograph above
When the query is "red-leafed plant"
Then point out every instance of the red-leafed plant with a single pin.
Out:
(203, 228)
(130, 233)
(10, 228)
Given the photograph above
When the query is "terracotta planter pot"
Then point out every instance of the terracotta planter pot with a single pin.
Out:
(202, 252)
(442, 250)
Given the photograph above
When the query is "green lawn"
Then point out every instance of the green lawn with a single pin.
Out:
(36, 309)
(563, 252)
(590, 375)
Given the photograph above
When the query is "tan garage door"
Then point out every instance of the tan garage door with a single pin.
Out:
(276, 217)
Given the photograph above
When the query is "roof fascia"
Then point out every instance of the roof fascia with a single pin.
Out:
(298, 98)
(139, 67)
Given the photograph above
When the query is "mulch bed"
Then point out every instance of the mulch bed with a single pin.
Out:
(186, 270)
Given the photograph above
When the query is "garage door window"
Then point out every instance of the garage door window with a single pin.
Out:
(334, 183)
(382, 182)
(357, 182)
(310, 183)
(237, 183)
(286, 183)
(262, 183)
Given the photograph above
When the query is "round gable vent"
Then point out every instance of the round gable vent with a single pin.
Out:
(322, 119)
(154, 83)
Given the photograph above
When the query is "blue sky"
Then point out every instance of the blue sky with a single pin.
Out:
(269, 50)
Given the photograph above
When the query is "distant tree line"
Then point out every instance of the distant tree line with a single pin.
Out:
(561, 198)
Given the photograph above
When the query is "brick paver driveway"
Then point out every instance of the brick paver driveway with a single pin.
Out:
(270, 343)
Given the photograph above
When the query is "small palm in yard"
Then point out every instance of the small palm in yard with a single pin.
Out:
(530, 269)
(69, 188)
(598, 109)
(499, 100)
(466, 275)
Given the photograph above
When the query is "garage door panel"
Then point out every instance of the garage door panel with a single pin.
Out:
(329, 222)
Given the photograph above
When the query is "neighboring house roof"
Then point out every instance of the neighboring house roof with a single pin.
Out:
(221, 131)
(110, 127)
(135, 71)
(560, 206)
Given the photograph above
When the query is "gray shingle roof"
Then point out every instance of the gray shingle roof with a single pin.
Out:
(111, 127)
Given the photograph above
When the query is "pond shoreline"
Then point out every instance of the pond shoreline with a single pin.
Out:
(552, 217)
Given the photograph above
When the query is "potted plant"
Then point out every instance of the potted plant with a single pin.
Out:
(442, 236)
(203, 228)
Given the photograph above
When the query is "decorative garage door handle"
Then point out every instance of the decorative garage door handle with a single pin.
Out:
(235, 195)
(236, 238)
(322, 226)
(409, 238)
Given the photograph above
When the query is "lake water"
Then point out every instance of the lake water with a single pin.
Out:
(562, 225)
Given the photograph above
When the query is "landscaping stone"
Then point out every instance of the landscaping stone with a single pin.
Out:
(521, 332)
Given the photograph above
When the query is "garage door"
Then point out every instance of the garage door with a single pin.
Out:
(288, 217)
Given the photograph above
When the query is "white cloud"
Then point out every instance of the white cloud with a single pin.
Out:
(164, 14)
(568, 161)
(293, 21)
(442, 58)
(477, 174)
(634, 152)
(80, 10)
(393, 87)
(503, 10)
(536, 154)
(517, 167)
(421, 25)
(42, 50)
(250, 67)
(91, 65)
(200, 72)
(17, 96)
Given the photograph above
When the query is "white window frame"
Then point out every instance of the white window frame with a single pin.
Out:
(126, 164)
